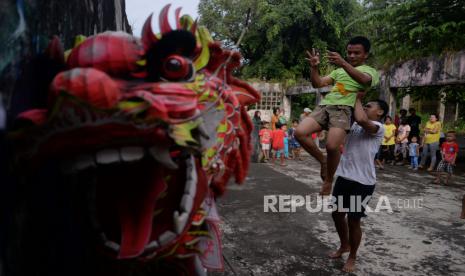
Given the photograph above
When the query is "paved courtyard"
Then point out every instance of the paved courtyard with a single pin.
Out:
(410, 241)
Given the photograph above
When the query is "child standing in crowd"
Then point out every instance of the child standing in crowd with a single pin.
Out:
(449, 150)
(265, 140)
(294, 144)
(389, 141)
(414, 152)
(286, 143)
(278, 144)
(402, 141)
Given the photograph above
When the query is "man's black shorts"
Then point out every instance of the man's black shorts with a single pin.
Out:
(346, 188)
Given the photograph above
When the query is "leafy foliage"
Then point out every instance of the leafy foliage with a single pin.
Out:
(404, 29)
(279, 32)
(300, 102)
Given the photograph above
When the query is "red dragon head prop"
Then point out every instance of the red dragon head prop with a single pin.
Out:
(155, 127)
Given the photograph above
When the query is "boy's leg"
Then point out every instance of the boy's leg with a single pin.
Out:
(303, 134)
(448, 172)
(448, 175)
(438, 178)
(342, 229)
(336, 137)
(355, 236)
(282, 157)
(463, 208)
(391, 153)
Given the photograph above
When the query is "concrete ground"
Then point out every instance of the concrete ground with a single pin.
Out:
(410, 241)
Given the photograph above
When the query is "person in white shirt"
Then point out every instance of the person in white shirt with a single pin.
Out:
(356, 176)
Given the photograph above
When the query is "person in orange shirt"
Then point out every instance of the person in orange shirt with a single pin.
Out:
(275, 119)
(278, 144)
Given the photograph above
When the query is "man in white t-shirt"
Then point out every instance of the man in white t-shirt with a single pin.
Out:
(356, 176)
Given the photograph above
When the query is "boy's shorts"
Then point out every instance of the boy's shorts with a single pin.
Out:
(329, 116)
(266, 146)
(346, 189)
(445, 167)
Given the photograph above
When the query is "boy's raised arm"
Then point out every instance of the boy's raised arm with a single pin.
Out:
(362, 119)
(317, 80)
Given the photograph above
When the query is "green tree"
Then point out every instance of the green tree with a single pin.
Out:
(280, 31)
(405, 29)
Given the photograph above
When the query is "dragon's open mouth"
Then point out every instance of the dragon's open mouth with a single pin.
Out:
(136, 204)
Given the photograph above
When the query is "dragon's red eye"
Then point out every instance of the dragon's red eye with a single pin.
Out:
(176, 68)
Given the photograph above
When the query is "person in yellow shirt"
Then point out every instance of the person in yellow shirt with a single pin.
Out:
(389, 141)
(430, 145)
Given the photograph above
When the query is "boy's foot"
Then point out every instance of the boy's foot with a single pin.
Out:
(437, 181)
(415, 169)
(323, 170)
(420, 167)
(339, 252)
(349, 266)
(430, 169)
(326, 188)
(284, 165)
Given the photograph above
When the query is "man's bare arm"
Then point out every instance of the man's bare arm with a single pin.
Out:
(362, 118)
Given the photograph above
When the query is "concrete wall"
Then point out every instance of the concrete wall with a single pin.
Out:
(266, 89)
(432, 71)
(435, 70)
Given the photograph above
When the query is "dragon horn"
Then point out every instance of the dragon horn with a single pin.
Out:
(148, 37)
(163, 20)
(178, 18)
(194, 27)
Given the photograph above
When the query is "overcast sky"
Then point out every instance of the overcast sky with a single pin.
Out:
(138, 11)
